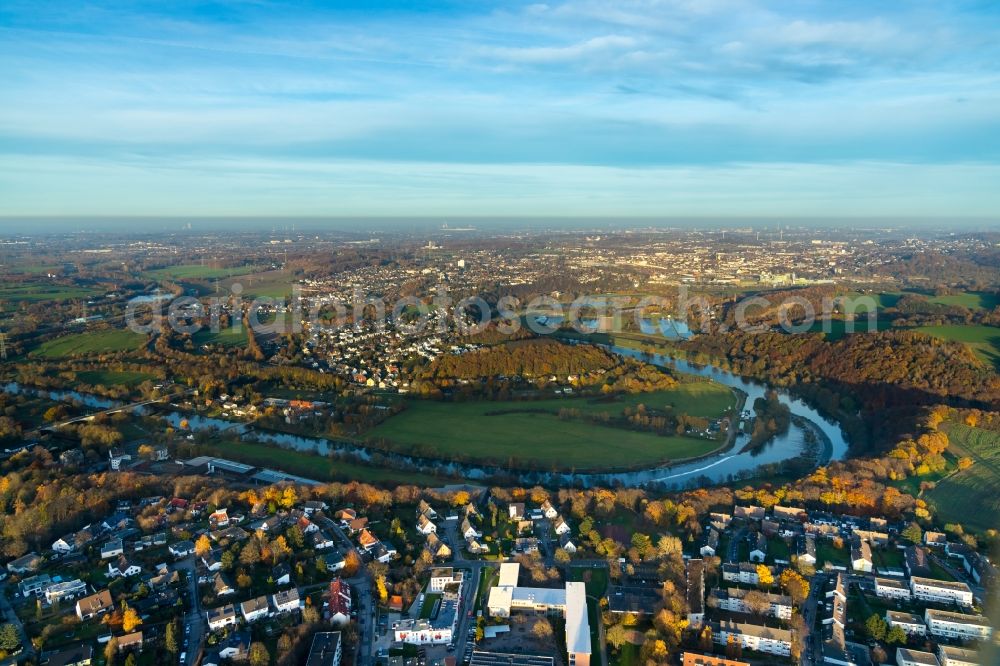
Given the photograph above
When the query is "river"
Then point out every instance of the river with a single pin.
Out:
(724, 466)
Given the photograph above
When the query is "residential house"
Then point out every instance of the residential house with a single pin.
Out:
(732, 600)
(891, 588)
(515, 511)
(861, 556)
(357, 525)
(121, 567)
(940, 591)
(560, 526)
(425, 526)
(181, 548)
(113, 548)
(912, 624)
(219, 518)
(94, 605)
(255, 609)
(695, 592)
(25, 564)
(34, 586)
(118, 459)
(321, 540)
(221, 617)
(936, 539)
(711, 543)
(468, 531)
(754, 637)
(325, 649)
(915, 559)
(286, 601)
(548, 510)
(750, 512)
(424, 509)
(314, 506)
(908, 657)
(437, 548)
(566, 543)
(946, 624)
(78, 655)
(807, 549)
(951, 655)
(67, 589)
(338, 602)
(130, 642)
(233, 648)
(758, 547)
(221, 585)
(367, 540)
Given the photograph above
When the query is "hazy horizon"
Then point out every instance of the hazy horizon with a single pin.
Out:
(669, 108)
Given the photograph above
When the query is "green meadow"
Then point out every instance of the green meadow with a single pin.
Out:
(90, 342)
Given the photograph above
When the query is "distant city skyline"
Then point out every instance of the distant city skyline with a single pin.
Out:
(674, 109)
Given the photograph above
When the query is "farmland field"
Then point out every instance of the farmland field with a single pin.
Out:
(225, 337)
(197, 272)
(114, 377)
(312, 466)
(91, 342)
(974, 300)
(971, 496)
(983, 340)
(531, 432)
(33, 292)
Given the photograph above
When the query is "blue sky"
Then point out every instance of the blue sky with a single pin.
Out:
(583, 107)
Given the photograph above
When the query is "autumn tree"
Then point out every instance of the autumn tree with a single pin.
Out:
(764, 576)
(130, 620)
(170, 639)
(794, 585)
(616, 636)
(758, 602)
(259, 656)
(203, 546)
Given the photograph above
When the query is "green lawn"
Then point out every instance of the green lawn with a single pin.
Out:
(970, 497)
(974, 300)
(983, 340)
(835, 329)
(226, 337)
(197, 272)
(475, 430)
(91, 342)
(315, 467)
(825, 552)
(114, 377)
(45, 291)
(428, 608)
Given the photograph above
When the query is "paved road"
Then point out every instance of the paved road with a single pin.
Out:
(194, 619)
(361, 583)
(10, 616)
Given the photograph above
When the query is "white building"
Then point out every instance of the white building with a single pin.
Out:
(940, 591)
(949, 655)
(286, 601)
(905, 657)
(442, 577)
(957, 625)
(754, 637)
(421, 632)
(890, 588)
(222, 617)
(732, 600)
(255, 609)
(65, 590)
(912, 624)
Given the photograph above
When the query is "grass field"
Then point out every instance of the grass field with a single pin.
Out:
(315, 467)
(835, 329)
(226, 337)
(114, 377)
(974, 300)
(970, 497)
(45, 292)
(91, 342)
(473, 430)
(197, 272)
(983, 340)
